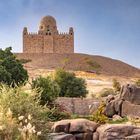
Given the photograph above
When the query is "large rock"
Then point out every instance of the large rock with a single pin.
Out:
(61, 136)
(74, 126)
(113, 107)
(116, 131)
(129, 109)
(130, 93)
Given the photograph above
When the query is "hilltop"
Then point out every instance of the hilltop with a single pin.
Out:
(109, 67)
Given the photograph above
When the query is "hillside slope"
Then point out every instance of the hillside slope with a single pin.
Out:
(75, 62)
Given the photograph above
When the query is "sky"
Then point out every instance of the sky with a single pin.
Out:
(109, 28)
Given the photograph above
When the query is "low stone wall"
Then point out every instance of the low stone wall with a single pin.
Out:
(80, 106)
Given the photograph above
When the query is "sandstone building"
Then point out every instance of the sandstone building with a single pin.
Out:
(48, 39)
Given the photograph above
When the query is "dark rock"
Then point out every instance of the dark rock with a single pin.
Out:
(61, 136)
(84, 136)
(61, 126)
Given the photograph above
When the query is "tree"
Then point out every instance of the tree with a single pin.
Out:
(11, 69)
(70, 85)
(48, 88)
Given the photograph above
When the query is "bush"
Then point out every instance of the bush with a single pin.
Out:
(106, 91)
(99, 116)
(11, 69)
(48, 88)
(116, 85)
(138, 83)
(70, 85)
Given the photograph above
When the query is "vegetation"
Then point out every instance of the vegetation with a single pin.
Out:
(48, 88)
(99, 116)
(120, 121)
(138, 83)
(70, 85)
(116, 85)
(106, 91)
(15, 104)
(65, 62)
(11, 69)
(91, 64)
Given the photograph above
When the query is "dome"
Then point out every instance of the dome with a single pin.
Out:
(48, 20)
(48, 25)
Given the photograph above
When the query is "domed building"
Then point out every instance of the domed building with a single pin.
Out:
(48, 39)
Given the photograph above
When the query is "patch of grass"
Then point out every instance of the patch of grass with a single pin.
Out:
(123, 120)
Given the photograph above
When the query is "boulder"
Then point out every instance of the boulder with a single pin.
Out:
(74, 126)
(113, 107)
(129, 109)
(130, 93)
(82, 125)
(115, 131)
(61, 136)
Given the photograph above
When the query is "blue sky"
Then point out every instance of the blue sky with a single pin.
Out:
(102, 27)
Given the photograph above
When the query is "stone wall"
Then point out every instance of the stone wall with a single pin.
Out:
(80, 106)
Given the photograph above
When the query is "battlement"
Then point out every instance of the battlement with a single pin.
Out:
(48, 39)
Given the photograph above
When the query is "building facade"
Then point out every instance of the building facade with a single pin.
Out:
(48, 39)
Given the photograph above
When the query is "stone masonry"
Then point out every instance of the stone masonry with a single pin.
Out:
(48, 39)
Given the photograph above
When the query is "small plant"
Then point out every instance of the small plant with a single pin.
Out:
(99, 116)
(116, 85)
(138, 83)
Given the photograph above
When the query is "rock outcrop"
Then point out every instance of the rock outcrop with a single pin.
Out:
(82, 129)
(127, 103)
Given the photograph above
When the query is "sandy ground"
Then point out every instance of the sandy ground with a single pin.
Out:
(95, 83)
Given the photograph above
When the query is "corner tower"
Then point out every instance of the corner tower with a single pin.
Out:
(48, 39)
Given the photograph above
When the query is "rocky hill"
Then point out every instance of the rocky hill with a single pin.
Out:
(77, 61)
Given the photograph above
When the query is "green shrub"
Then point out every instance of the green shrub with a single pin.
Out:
(11, 69)
(138, 83)
(99, 116)
(116, 85)
(48, 88)
(70, 85)
(106, 91)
